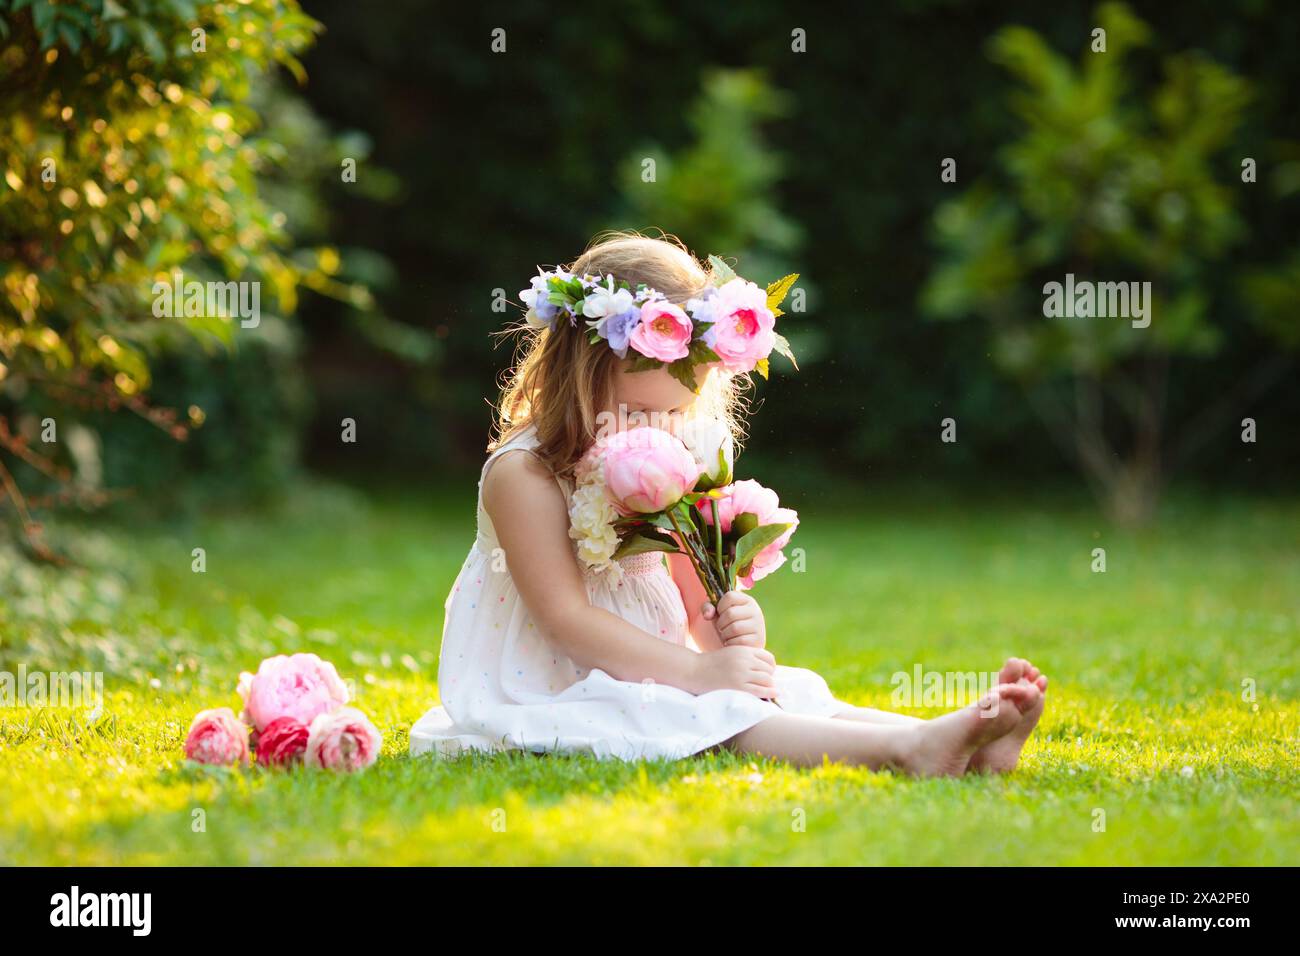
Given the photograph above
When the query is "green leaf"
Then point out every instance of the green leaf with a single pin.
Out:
(153, 45)
(722, 272)
(701, 354)
(43, 16)
(749, 546)
(778, 290)
(686, 515)
(684, 371)
(744, 523)
(783, 347)
(643, 523)
(761, 367)
(70, 37)
(643, 543)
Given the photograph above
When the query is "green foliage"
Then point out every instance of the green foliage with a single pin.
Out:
(515, 160)
(1105, 180)
(718, 192)
(128, 155)
(1108, 179)
(138, 145)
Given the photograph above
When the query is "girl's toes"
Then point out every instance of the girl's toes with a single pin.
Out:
(1021, 693)
(1012, 670)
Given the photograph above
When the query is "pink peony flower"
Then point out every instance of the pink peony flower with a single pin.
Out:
(646, 470)
(664, 332)
(299, 686)
(773, 556)
(743, 326)
(749, 497)
(283, 742)
(217, 737)
(344, 740)
(746, 496)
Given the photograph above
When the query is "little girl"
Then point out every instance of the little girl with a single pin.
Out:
(540, 655)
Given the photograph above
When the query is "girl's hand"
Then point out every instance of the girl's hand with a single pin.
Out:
(750, 669)
(738, 620)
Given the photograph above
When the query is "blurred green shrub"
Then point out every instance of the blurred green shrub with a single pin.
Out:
(718, 191)
(1112, 180)
(131, 148)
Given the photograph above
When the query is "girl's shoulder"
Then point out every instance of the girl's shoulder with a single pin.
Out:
(508, 478)
(531, 465)
(523, 440)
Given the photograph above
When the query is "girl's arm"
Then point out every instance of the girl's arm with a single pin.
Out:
(531, 519)
(737, 620)
(703, 631)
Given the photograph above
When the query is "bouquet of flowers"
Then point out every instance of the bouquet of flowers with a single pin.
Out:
(649, 489)
(295, 712)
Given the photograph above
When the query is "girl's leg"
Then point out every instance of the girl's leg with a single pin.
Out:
(939, 747)
(869, 715)
(805, 741)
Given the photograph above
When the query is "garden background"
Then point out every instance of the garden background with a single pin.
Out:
(382, 176)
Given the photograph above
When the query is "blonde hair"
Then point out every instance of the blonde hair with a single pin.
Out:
(560, 381)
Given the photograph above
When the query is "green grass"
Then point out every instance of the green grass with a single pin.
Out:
(1146, 719)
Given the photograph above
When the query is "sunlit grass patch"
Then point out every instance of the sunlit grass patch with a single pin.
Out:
(1170, 734)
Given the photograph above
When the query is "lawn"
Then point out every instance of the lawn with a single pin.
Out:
(1150, 717)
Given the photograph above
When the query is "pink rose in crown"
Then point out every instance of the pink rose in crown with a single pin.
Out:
(646, 470)
(300, 686)
(344, 740)
(743, 328)
(664, 332)
(217, 737)
(282, 743)
(749, 497)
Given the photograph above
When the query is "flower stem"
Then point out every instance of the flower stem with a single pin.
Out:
(717, 536)
(693, 552)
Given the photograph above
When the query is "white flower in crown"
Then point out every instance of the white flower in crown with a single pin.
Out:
(701, 307)
(604, 301)
(542, 312)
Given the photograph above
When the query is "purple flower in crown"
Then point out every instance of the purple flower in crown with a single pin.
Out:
(617, 330)
(541, 311)
(613, 313)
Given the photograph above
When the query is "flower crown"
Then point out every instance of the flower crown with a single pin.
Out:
(730, 324)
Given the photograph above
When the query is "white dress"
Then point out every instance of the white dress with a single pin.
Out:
(505, 686)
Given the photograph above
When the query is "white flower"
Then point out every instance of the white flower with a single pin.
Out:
(591, 525)
(537, 287)
(710, 443)
(603, 301)
(541, 310)
(701, 307)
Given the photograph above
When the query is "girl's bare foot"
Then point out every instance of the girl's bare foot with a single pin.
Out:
(1002, 754)
(944, 746)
